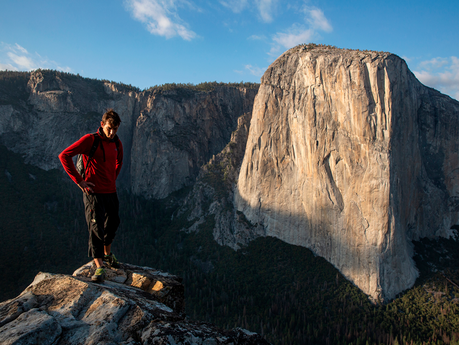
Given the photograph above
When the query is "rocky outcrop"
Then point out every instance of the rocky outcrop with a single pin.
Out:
(167, 135)
(351, 156)
(135, 305)
(212, 195)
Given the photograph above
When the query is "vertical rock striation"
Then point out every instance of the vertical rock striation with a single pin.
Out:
(350, 156)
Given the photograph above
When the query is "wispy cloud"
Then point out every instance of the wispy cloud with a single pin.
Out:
(23, 62)
(406, 58)
(9, 67)
(161, 17)
(17, 58)
(441, 74)
(257, 37)
(21, 49)
(314, 22)
(256, 71)
(293, 36)
(237, 6)
(266, 9)
(434, 63)
(316, 18)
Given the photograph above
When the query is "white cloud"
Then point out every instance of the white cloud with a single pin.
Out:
(434, 63)
(256, 71)
(314, 22)
(266, 9)
(256, 37)
(441, 74)
(21, 49)
(160, 17)
(23, 62)
(407, 59)
(9, 67)
(293, 36)
(317, 20)
(236, 6)
(17, 58)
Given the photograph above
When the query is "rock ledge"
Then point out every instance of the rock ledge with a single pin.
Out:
(135, 305)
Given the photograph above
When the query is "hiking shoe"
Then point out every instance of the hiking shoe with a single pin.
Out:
(112, 260)
(99, 276)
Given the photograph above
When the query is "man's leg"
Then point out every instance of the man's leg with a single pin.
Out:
(112, 221)
(94, 211)
(99, 262)
(108, 249)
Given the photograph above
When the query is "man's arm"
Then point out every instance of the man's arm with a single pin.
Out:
(119, 158)
(82, 146)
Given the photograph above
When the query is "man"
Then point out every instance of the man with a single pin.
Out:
(99, 187)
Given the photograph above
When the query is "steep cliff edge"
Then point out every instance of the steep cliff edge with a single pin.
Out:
(135, 305)
(177, 132)
(167, 134)
(350, 156)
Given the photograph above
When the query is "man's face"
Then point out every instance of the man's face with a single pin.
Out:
(109, 129)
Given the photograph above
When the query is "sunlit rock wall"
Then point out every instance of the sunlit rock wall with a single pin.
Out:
(350, 156)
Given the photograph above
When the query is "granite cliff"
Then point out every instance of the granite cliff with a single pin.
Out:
(167, 134)
(351, 156)
(135, 305)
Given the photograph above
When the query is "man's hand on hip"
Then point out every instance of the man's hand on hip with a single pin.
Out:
(86, 187)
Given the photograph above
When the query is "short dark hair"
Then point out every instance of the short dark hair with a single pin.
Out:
(112, 117)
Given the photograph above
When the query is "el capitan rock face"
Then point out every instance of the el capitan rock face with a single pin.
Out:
(350, 156)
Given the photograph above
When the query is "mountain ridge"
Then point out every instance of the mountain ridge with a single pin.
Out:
(172, 131)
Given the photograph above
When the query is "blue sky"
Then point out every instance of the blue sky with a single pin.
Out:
(152, 42)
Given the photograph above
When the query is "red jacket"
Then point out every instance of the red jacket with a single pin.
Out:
(105, 166)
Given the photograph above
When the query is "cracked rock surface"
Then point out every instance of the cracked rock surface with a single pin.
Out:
(135, 305)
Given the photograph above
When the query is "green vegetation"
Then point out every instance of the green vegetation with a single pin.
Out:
(218, 175)
(15, 81)
(281, 291)
(39, 228)
(91, 82)
(13, 87)
(312, 46)
(202, 87)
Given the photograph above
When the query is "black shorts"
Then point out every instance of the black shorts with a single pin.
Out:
(102, 217)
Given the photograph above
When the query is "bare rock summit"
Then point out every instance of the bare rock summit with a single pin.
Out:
(135, 305)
